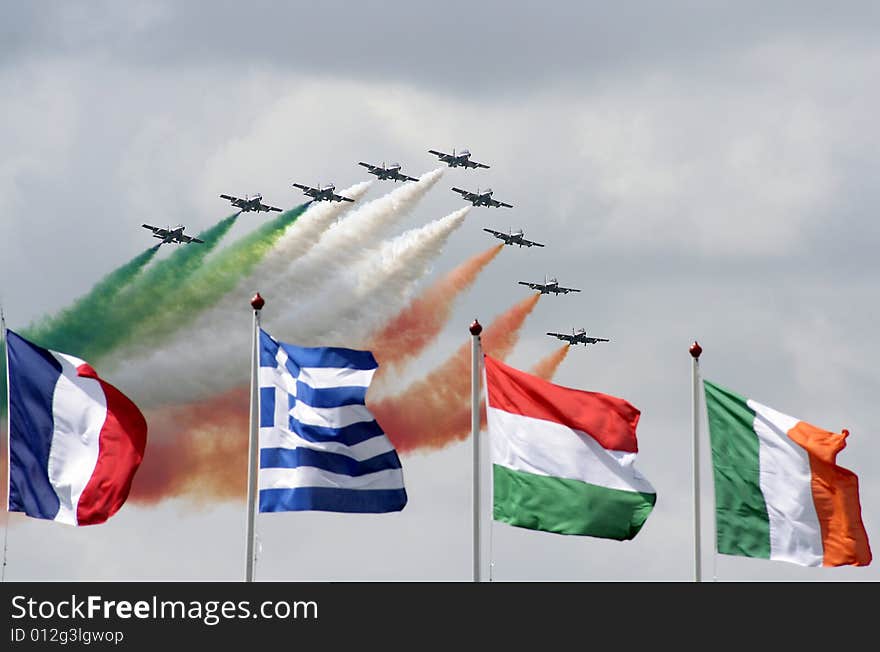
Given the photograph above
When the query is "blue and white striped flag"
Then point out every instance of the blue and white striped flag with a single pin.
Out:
(320, 447)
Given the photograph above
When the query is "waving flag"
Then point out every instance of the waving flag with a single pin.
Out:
(562, 458)
(320, 447)
(75, 441)
(779, 493)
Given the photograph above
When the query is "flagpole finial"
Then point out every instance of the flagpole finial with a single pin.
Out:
(257, 302)
(476, 328)
(696, 350)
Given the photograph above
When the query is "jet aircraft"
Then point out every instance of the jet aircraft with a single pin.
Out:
(250, 203)
(548, 286)
(321, 193)
(171, 234)
(483, 198)
(390, 172)
(462, 159)
(514, 238)
(578, 336)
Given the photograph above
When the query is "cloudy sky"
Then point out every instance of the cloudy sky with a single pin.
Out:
(702, 171)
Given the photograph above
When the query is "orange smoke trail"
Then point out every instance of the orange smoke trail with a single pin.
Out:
(198, 449)
(435, 411)
(417, 325)
(546, 368)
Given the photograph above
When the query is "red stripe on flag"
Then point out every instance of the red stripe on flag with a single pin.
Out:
(609, 420)
(121, 447)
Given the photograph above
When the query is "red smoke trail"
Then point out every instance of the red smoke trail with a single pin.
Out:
(546, 368)
(198, 449)
(417, 325)
(435, 411)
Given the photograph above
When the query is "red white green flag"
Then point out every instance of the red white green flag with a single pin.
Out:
(562, 458)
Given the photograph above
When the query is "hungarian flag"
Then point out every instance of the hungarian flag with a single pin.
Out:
(779, 493)
(562, 458)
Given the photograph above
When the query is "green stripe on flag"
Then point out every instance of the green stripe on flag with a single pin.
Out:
(742, 525)
(566, 506)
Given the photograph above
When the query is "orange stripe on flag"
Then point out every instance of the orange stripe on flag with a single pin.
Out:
(836, 497)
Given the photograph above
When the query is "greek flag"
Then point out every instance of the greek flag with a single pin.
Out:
(320, 447)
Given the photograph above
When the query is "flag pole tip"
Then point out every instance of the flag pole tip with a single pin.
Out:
(696, 350)
(257, 302)
(476, 328)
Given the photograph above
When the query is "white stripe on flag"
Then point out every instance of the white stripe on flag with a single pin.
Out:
(308, 476)
(275, 377)
(551, 449)
(786, 482)
(278, 438)
(79, 409)
(335, 417)
(326, 377)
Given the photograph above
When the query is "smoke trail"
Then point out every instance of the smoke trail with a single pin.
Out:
(546, 367)
(199, 450)
(419, 324)
(435, 411)
(357, 301)
(215, 356)
(226, 283)
(76, 323)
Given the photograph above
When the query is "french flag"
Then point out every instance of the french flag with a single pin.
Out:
(75, 441)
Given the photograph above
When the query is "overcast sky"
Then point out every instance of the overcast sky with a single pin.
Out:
(704, 170)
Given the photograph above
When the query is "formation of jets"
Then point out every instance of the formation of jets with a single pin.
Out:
(384, 173)
(171, 234)
(393, 172)
(249, 203)
(548, 286)
(321, 193)
(579, 336)
(514, 238)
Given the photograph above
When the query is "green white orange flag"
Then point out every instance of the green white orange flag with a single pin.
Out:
(562, 458)
(778, 492)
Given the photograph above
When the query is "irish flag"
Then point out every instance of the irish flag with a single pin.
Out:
(562, 459)
(778, 492)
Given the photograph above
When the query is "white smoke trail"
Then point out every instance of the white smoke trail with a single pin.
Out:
(355, 302)
(215, 356)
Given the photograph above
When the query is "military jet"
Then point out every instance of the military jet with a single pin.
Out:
(483, 198)
(391, 172)
(578, 336)
(462, 159)
(171, 234)
(514, 238)
(250, 203)
(321, 193)
(548, 286)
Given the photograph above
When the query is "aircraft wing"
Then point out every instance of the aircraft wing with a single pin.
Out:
(341, 198)
(529, 243)
(230, 198)
(464, 193)
(307, 189)
(436, 153)
(474, 164)
(534, 286)
(405, 177)
(498, 204)
(563, 336)
(189, 238)
(567, 290)
(593, 340)
(367, 165)
(159, 231)
(497, 234)
(270, 208)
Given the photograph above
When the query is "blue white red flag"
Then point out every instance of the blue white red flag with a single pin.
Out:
(321, 449)
(75, 441)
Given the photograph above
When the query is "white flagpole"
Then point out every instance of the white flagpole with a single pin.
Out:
(257, 303)
(695, 351)
(476, 362)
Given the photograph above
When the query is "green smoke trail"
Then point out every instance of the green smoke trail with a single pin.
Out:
(100, 331)
(214, 279)
(78, 319)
